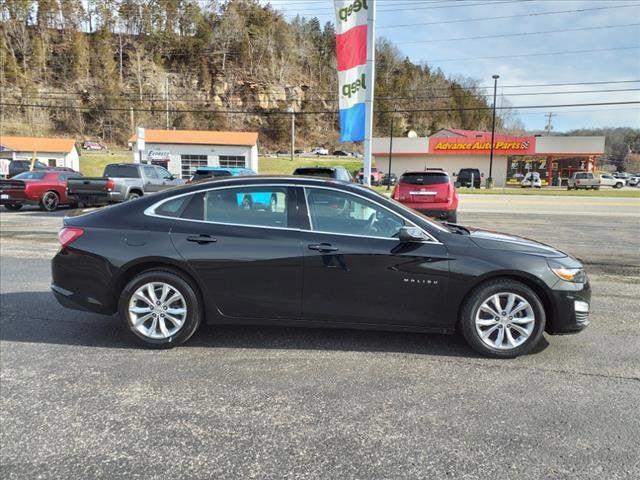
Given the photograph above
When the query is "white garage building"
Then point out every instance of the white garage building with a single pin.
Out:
(53, 152)
(183, 151)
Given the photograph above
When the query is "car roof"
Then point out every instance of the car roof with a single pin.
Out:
(317, 168)
(428, 170)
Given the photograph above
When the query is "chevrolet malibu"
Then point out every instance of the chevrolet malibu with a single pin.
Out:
(329, 254)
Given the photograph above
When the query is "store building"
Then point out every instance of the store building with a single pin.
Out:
(54, 152)
(183, 151)
(554, 157)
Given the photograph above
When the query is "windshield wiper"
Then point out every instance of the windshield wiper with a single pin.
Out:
(454, 227)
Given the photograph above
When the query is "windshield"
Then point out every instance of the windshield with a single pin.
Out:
(30, 176)
(424, 178)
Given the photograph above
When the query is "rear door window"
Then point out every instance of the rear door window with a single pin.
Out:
(259, 206)
(425, 178)
(121, 171)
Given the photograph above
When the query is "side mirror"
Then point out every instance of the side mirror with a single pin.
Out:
(411, 235)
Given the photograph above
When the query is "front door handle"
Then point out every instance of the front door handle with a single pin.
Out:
(201, 239)
(322, 247)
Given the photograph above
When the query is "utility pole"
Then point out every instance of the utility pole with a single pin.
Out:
(489, 183)
(390, 152)
(293, 130)
(120, 42)
(166, 96)
(549, 126)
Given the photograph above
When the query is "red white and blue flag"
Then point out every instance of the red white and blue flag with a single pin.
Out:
(351, 56)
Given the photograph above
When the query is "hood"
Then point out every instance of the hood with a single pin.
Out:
(512, 243)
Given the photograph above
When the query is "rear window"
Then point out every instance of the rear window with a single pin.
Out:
(121, 171)
(425, 178)
(583, 175)
(314, 172)
(30, 176)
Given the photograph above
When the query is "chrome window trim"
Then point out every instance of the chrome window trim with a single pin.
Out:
(150, 211)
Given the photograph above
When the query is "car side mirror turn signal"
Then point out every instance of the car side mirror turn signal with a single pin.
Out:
(411, 235)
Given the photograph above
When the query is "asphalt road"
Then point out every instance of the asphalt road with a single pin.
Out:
(80, 400)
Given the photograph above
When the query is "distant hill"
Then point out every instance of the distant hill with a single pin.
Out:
(227, 65)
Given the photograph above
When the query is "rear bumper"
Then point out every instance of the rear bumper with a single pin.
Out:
(437, 210)
(18, 198)
(571, 310)
(97, 198)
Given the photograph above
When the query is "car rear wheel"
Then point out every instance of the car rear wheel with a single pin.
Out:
(13, 206)
(133, 195)
(160, 308)
(452, 216)
(502, 319)
(49, 201)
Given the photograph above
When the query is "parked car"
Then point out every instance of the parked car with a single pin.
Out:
(622, 175)
(340, 153)
(46, 188)
(207, 173)
(468, 177)
(634, 180)
(298, 151)
(282, 152)
(337, 173)
(531, 180)
(120, 182)
(584, 180)
(170, 262)
(430, 193)
(607, 180)
(16, 167)
(89, 145)
(318, 151)
(376, 176)
(389, 179)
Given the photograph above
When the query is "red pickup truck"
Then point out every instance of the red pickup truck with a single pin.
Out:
(46, 188)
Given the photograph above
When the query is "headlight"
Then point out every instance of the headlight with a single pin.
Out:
(574, 275)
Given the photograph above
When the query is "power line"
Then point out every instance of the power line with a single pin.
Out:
(502, 17)
(516, 55)
(521, 34)
(284, 112)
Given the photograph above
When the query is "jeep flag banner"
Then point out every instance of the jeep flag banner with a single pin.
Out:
(351, 56)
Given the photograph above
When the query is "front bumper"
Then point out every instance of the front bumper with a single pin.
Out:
(572, 307)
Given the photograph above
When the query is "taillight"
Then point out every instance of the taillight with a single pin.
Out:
(396, 194)
(110, 184)
(68, 235)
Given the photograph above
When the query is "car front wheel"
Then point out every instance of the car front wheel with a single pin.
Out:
(160, 308)
(502, 318)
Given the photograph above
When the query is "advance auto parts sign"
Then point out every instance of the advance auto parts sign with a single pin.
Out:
(502, 145)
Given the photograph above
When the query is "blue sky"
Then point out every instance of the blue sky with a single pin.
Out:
(617, 57)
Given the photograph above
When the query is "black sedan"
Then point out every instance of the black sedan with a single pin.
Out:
(325, 253)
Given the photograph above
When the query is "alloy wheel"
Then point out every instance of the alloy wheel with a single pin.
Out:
(157, 310)
(505, 321)
(50, 201)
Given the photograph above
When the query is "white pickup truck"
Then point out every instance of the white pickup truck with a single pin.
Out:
(584, 180)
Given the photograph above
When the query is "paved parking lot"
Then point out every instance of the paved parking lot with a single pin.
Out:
(79, 400)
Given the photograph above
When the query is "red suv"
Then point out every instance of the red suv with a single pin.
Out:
(430, 192)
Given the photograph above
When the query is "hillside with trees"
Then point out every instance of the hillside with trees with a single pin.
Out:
(221, 65)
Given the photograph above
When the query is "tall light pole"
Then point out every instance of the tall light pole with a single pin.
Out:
(489, 183)
(293, 129)
(390, 151)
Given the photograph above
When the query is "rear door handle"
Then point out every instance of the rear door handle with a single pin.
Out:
(201, 239)
(322, 247)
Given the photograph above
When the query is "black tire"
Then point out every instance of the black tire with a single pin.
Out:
(475, 299)
(49, 201)
(13, 207)
(182, 285)
(618, 185)
(133, 196)
(452, 216)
